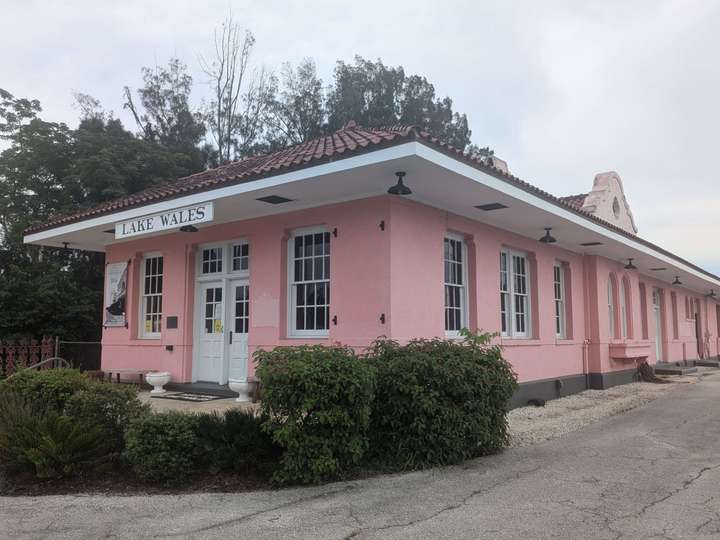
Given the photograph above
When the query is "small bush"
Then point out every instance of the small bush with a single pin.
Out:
(110, 407)
(318, 401)
(42, 441)
(439, 401)
(48, 388)
(235, 441)
(163, 447)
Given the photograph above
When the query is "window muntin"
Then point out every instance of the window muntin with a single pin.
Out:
(455, 268)
(212, 260)
(151, 297)
(309, 283)
(611, 307)
(624, 311)
(514, 294)
(240, 257)
(241, 313)
(213, 310)
(559, 296)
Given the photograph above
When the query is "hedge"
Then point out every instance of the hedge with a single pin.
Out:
(318, 402)
(439, 401)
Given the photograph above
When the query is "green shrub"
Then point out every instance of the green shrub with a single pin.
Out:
(49, 388)
(318, 401)
(110, 407)
(163, 447)
(42, 441)
(235, 441)
(439, 401)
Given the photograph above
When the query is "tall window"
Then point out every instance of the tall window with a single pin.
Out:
(151, 300)
(673, 303)
(514, 294)
(624, 312)
(611, 306)
(309, 283)
(559, 294)
(643, 311)
(455, 285)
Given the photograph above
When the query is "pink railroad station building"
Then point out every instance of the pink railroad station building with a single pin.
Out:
(321, 244)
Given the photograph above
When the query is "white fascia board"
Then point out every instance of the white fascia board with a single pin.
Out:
(369, 158)
(488, 180)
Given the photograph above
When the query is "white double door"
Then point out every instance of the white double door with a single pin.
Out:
(222, 319)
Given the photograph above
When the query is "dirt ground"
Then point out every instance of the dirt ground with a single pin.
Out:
(530, 425)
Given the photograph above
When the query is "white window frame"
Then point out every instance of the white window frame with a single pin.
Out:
(231, 257)
(292, 331)
(511, 313)
(464, 314)
(227, 254)
(611, 307)
(142, 313)
(624, 293)
(222, 260)
(560, 303)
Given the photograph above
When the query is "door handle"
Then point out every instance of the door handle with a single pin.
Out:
(230, 337)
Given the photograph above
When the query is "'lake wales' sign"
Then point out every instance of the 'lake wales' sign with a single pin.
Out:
(165, 221)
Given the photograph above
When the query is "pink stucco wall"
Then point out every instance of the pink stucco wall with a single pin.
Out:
(398, 272)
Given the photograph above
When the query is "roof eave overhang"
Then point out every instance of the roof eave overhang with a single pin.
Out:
(428, 151)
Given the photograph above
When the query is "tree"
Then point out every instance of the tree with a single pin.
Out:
(241, 97)
(50, 169)
(14, 112)
(298, 111)
(373, 94)
(167, 117)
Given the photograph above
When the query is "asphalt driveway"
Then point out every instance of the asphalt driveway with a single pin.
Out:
(653, 472)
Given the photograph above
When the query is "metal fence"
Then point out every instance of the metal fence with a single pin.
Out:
(17, 354)
(83, 355)
(21, 353)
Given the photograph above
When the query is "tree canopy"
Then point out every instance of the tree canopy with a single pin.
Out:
(48, 168)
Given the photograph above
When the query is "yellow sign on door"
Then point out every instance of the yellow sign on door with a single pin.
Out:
(218, 326)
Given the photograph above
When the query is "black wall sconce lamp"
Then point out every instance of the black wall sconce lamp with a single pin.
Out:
(677, 281)
(188, 228)
(630, 265)
(548, 238)
(399, 188)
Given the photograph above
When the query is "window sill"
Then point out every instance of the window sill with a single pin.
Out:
(316, 337)
(520, 342)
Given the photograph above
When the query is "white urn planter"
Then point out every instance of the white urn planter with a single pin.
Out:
(242, 387)
(157, 379)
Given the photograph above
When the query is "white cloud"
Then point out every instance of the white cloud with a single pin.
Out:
(560, 90)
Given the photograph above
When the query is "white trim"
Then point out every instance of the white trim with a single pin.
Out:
(370, 158)
(464, 299)
(480, 177)
(511, 331)
(563, 301)
(624, 313)
(292, 333)
(142, 333)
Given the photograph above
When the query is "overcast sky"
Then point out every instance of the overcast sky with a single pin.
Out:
(559, 90)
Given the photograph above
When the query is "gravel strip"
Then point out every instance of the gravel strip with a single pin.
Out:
(530, 425)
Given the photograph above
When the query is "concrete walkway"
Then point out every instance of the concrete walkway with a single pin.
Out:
(652, 472)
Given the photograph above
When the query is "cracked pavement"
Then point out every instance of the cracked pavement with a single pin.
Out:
(653, 472)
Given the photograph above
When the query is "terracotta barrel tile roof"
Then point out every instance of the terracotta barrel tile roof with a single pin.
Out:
(350, 140)
(345, 142)
(576, 201)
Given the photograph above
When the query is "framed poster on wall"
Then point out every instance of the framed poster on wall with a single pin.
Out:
(115, 293)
